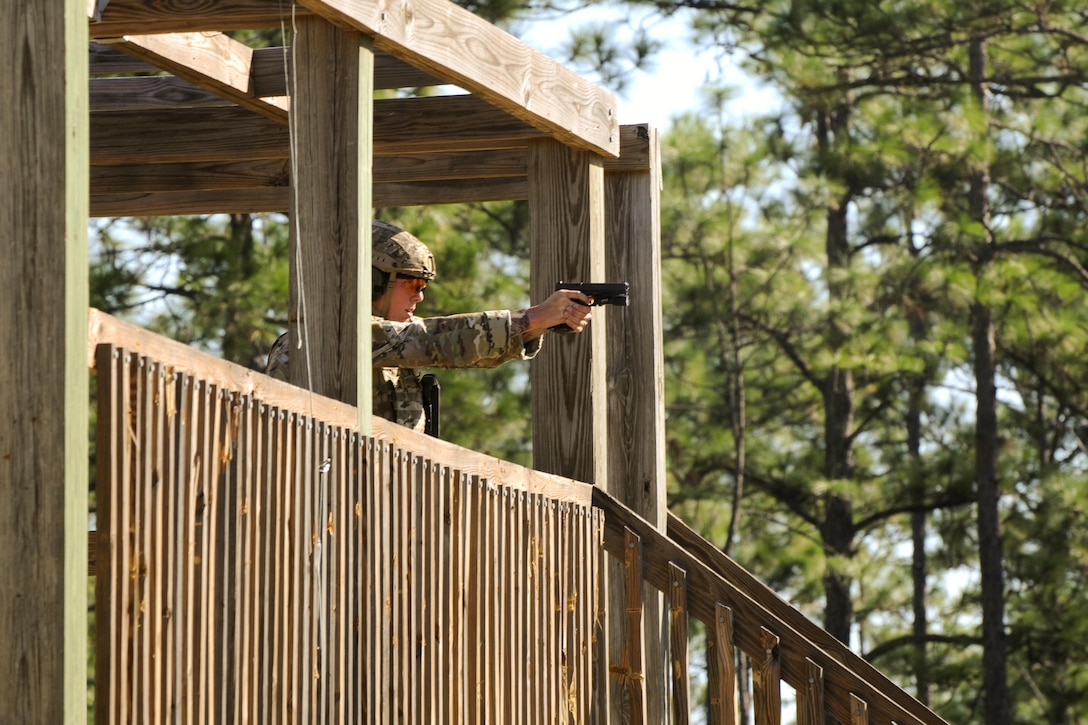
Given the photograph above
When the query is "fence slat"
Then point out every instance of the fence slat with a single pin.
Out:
(722, 675)
(631, 683)
(678, 644)
(810, 701)
(766, 681)
(859, 711)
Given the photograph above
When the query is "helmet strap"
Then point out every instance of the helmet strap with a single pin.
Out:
(388, 295)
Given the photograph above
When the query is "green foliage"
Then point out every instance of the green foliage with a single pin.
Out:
(218, 283)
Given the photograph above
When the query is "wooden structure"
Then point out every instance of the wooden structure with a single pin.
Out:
(261, 561)
(298, 129)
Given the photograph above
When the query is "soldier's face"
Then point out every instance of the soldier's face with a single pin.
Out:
(403, 298)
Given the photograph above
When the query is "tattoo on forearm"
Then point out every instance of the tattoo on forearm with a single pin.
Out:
(519, 322)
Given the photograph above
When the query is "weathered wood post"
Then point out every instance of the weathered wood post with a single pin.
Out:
(598, 398)
(43, 359)
(332, 104)
(636, 391)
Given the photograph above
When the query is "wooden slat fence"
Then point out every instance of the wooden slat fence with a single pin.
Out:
(255, 564)
(258, 561)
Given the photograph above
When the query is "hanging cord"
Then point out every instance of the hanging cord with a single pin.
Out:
(290, 73)
(303, 343)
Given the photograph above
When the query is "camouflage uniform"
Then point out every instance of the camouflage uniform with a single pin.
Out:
(479, 339)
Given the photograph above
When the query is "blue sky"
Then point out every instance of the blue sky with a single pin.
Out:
(679, 70)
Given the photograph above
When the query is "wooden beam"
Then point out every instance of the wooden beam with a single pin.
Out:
(182, 177)
(401, 126)
(331, 212)
(192, 203)
(126, 17)
(189, 134)
(43, 399)
(213, 61)
(142, 93)
(277, 199)
(635, 369)
(268, 70)
(463, 49)
(566, 209)
(502, 165)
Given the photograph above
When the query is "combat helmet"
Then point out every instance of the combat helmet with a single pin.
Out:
(399, 253)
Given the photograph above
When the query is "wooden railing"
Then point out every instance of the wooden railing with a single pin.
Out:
(259, 561)
(261, 564)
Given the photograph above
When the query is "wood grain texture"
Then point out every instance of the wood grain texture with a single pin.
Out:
(721, 668)
(104, 328)
(766, 597)
(635, 369)
(43, 400)
(213, 61)
(566, 207)
(810, 700)
(677, 596)
(766, 680)
(456, 46)
(327, 234)
(755, 610)
(125, 17)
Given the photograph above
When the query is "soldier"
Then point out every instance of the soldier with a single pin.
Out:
(403, 343)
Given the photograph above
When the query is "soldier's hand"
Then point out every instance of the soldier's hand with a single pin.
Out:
(566, 307)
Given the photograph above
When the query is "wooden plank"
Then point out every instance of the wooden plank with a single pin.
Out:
(141, 93)
(766, 680)
(190, 134)
(277, 199)
(859, 711)
(268, 71)
(454, 45)
(629, 693)
(245, 201)
(566, 208)
(810, 700)
(635, 366)
(678, 645)
(123, 17)
(721, 668)
(43, 400)
(120, 180)
(212, 61)
(331, 172)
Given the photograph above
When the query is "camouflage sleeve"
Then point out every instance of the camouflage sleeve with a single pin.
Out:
(479, 339)
(277, 358)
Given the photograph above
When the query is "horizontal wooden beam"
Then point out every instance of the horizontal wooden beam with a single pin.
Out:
(268, 71)
(401, 125)
(184, 134)
(463, 49)
(126, 17)
(278, 198)
(213, 61)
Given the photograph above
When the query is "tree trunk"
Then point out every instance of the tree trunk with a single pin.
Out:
(991, 560)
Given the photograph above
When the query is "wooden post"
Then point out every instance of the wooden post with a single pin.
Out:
(43, 331)
(331, 126)
(566, 208)
(635, 380)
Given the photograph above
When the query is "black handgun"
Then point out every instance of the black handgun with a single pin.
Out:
(603, 293)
